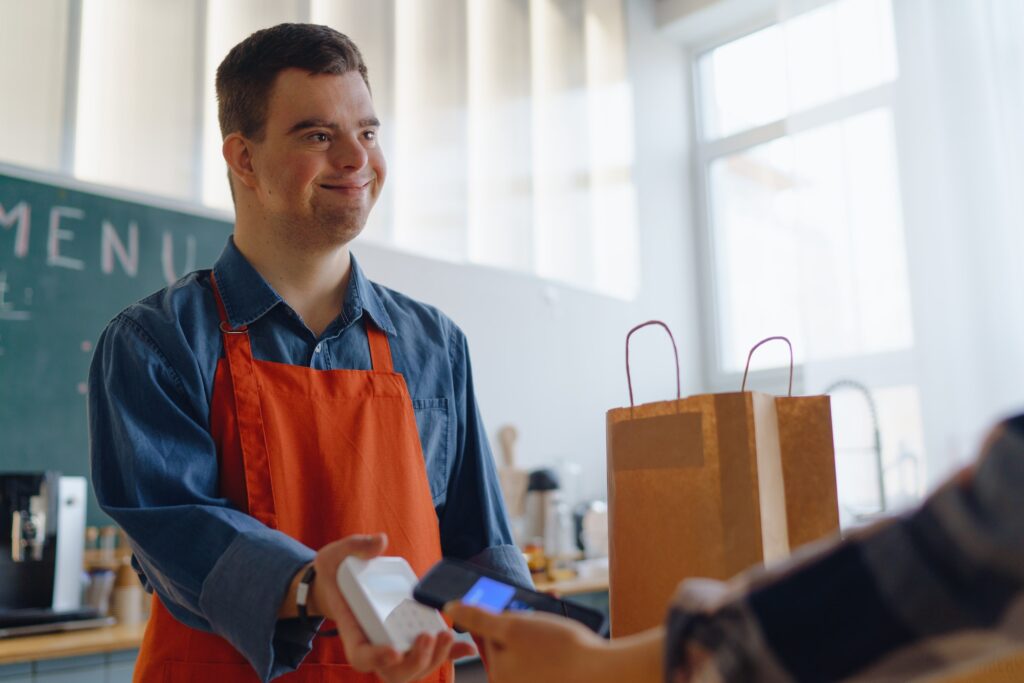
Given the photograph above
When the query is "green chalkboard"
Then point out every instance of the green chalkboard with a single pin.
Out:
(71, 257)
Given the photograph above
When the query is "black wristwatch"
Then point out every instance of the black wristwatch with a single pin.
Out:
(302, 599)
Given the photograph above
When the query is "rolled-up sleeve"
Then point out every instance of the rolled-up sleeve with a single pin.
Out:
(155, 472)
(473, 523)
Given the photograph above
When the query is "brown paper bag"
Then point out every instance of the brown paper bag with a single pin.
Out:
(1009, 669)
(698, 487)
(808, 460)
(808, 467)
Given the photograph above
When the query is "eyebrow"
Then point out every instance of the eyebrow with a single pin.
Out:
(370, 122)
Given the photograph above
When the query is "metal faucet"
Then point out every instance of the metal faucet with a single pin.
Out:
(872, 409)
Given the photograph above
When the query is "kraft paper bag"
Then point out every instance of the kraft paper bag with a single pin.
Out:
(702, 487)
(808, 467)
(808, 460)
(1008, 669)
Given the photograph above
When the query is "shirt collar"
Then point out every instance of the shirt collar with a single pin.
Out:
(362, 297)
(247, 296)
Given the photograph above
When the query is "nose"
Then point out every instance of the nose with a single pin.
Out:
(350, 154)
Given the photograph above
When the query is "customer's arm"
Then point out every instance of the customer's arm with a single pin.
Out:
(543, 648)
(908, 597)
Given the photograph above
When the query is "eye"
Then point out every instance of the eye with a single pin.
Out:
(370, 135)
(319, 137)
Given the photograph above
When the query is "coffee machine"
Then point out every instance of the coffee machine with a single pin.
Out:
(42, 539)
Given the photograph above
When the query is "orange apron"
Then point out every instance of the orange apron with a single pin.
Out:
(318, 455)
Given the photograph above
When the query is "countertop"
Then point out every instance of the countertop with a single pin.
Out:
(572, 586)
(71, 643)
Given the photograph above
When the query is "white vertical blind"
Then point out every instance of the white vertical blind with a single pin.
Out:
(500, 154)
(430, 141)
(33, 36)
(560, 141)
(610, 117)
(136, 95)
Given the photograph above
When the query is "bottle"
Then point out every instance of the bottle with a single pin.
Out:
(128, 596)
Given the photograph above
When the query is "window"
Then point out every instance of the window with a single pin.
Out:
(797, 162)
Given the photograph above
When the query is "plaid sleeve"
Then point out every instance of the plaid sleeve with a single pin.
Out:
(937, 587)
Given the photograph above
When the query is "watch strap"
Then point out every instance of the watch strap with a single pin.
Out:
(302, 601)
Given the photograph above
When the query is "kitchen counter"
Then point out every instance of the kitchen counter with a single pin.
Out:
(71, 643)
(572, 586)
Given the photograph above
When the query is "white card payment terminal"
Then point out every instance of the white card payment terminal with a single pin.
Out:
(379, 591)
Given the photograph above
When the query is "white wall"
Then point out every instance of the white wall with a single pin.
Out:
(550, 359)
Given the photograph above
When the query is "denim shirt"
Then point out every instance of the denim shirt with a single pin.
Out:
(155, 467)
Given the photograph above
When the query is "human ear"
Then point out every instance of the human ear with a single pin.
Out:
(237, 151)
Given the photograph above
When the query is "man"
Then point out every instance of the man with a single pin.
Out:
(253, 425)
(934, 591)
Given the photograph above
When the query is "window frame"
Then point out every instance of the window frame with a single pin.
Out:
(876, 370)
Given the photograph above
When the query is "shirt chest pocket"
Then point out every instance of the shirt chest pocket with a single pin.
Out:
(432, 422)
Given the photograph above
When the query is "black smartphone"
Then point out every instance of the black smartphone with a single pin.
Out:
(453, 580)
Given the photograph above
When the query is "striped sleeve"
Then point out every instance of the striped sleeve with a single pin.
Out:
(929, 591)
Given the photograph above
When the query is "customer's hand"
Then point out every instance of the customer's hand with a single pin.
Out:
(427, 653)
(544, 648)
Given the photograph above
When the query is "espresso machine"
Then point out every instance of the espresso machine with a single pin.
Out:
(42, 539)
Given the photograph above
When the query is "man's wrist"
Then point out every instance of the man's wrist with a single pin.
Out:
(288, 609)
(304, 596)
(306, 606)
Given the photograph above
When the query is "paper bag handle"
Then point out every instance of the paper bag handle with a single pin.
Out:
(751, 354)
(675, 352)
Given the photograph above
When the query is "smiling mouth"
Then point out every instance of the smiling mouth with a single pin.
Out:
(348, 188)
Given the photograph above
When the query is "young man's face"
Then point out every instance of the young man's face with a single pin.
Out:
(319, 168)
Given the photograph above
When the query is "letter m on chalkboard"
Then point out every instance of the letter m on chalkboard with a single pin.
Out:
(19, 216)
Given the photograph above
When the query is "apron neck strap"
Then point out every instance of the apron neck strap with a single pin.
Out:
(380, 349)
(252, 435)
(220, 303)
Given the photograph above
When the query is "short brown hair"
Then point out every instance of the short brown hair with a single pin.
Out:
(246, 76)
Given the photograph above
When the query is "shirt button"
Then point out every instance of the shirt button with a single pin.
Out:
(317, 349)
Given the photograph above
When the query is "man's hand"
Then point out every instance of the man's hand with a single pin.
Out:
(427, 653)
(544, 648)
